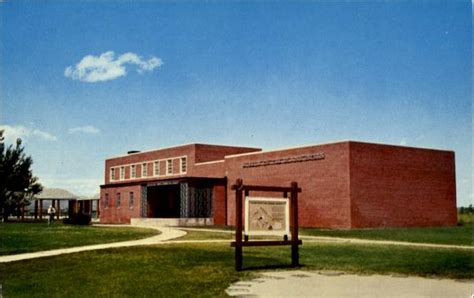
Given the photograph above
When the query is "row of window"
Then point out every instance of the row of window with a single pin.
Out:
(144, 169)
(118, 200)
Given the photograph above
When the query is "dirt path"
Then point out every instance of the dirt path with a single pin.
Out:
(337, 284)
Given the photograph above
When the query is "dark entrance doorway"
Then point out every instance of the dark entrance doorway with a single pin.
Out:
(163, 201)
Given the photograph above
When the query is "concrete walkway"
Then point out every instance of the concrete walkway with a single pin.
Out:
(337, 284)
(383, 242)
(353, 240)
(166, 234)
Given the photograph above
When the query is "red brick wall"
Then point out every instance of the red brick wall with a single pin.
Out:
(215, 152)
(195, 153)
(139, 158)
(324, 201)
(210, 170)
(205, 152)
(162, 167)
(355, 185)
(219, 204)
(395, 186)
(112, 214)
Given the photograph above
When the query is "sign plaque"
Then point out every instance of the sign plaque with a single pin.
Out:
(267, 216)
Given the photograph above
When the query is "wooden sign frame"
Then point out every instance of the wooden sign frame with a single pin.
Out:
(242, 189)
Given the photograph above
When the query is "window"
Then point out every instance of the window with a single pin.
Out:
(112, 174)
(122, 173)
(169, 167)
(118, 200)
(133, 173)
(131, 200)
(183, 164)
(144, 170)
(156, 168)
(106, 200)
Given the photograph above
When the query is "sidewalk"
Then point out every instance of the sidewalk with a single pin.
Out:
(297, 283)
(166, 234)
(353, 240)
(383, 242)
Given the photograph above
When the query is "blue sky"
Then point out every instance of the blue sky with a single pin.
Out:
(265, 74)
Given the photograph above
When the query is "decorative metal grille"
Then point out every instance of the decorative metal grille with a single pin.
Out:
(184, 200)
(143, 201)
(200, 202)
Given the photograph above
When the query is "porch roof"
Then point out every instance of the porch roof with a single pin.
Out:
(55, 194)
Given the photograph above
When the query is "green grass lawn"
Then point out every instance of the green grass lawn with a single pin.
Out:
(205, 235)
(460, 235)
(207, 269)
(466, 219)
(28, 237)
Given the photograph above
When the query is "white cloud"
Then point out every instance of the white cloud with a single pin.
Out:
(43, 135)
(105, 67)
(18, 131)
(84, 129)
(403, 142)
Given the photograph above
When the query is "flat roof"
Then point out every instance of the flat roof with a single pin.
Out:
(180, 146)
(262, 151)
(332, 143)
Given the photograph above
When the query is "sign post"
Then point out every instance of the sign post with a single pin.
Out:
(266, 216)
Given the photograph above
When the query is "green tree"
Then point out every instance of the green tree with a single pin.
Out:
(17, 183)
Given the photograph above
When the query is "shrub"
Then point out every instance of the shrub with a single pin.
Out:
(78, 219)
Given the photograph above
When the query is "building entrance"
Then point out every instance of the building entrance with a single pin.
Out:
(163, 201)
(184, 199)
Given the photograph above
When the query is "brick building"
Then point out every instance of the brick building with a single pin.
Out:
(344, 184)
